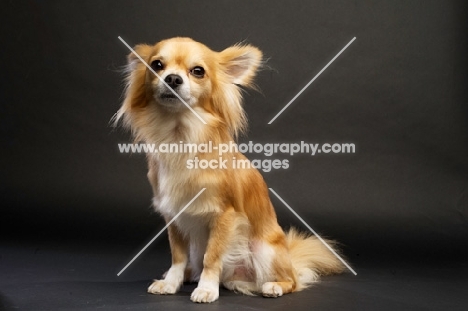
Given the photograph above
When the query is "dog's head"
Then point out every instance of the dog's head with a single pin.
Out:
(188, 71)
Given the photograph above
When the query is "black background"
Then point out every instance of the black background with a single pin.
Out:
(398, 93)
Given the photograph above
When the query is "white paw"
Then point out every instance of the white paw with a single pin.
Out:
(204, 295)
(162, 287)
(271, 289)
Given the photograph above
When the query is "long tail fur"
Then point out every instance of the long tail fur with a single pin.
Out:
(310, 258)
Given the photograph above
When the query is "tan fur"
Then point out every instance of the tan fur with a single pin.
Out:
(230, 233)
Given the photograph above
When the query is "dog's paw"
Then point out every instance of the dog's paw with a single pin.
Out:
(271, 289)
(162, 287)
(204, 295)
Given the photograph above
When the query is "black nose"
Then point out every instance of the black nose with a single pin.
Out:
(173, 80)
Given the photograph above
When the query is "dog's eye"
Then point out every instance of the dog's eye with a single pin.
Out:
(198, 72)
(156, 65)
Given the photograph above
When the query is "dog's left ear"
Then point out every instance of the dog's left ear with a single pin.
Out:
(240, 63)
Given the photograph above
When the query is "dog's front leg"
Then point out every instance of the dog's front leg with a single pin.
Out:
(221, 233)
(175, 275)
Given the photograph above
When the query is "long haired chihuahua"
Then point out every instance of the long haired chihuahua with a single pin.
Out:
(229, 234)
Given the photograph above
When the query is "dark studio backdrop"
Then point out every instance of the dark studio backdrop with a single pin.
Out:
(398, 93)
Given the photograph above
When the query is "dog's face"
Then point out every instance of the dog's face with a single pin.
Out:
(204, 79)
(185, 66)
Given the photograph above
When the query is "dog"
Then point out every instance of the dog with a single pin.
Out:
(229, 235)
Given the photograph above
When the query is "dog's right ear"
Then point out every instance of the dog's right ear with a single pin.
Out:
(143, 50)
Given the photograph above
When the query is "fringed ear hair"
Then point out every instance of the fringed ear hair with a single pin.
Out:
(143, 50)
(134, 92)
(240, 63)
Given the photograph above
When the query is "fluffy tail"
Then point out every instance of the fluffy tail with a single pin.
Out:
(310, 258)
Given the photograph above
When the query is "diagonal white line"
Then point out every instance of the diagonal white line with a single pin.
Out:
(164, 82)
(310, 82)
(315, 233)
(162, 230)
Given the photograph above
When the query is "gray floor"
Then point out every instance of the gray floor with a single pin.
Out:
(72, 275)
